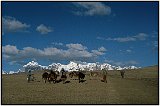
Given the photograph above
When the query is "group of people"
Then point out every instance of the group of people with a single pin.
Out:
(104, 73)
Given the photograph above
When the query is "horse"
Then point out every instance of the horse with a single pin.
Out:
(52, 77)
(45, 76)
(80, 75)
(73, 73)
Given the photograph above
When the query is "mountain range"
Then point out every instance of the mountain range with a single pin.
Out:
(72, 66)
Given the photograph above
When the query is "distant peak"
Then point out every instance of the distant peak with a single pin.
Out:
(75, 66)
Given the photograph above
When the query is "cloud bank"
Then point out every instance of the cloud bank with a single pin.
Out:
(76, 52)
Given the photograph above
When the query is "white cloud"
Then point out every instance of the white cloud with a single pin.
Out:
(52, 51)
(30, 52)
(109, 61)
(101, 38)
(122, 63)
(139, 36)
(125, 39)
(73, 52)
(97, 52)
(9, 49)
(118, 39)
(57, 44)
(125, 51)
(129, 51)
(76, 46)
(10, 24)
(102, 49)
(92, 8)
(6, 56)
(43, 29)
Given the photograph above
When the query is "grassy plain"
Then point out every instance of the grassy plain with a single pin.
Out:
(138, 87)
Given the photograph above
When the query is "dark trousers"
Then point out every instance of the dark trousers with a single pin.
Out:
(105, 78)
(122, 74)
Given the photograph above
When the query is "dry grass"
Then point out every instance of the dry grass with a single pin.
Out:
(138, 87)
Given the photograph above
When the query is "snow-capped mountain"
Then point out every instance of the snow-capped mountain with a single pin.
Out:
(75, 66)
(107, 66)
(72, 66)
(131, 67)
(13, 72)
(4, 72)
(33, 66)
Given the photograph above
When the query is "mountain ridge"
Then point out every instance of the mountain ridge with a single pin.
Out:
(71, 66)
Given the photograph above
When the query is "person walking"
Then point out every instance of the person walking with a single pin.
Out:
(63, 76)
(104, 71)
(122, 73)
(29, 75)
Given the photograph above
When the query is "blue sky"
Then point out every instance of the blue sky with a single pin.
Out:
(119, 33)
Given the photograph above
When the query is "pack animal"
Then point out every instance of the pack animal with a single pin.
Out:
(80, 75)
(45, 76)
(52, 77)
